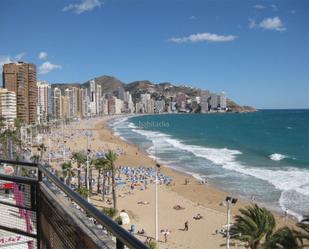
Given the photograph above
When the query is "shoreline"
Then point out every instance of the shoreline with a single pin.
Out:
(196, 198)
(215, 190)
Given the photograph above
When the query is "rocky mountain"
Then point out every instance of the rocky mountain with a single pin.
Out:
(164, 90)
(108, 83)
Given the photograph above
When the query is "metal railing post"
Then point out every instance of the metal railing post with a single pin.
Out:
(38, 209)
(119, 244)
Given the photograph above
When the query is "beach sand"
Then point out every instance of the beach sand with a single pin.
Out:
(195, 197)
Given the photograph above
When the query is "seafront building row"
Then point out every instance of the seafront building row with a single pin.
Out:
(36, 102)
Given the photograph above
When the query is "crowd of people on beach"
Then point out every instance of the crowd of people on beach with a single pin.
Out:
(128, 178)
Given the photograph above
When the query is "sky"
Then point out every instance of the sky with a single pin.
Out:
(255, 51)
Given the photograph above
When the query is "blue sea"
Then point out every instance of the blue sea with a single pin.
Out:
(264, 154)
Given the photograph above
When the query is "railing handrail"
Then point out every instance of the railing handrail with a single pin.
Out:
(22, 163)
(120, 233)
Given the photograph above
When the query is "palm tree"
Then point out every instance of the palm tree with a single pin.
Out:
(83, 192)
(35, 158)
(10, 142)
(80, 158)
(284, 238)
(304, 233)
(101, 164)
(42, 148)
(111, 158)
(254, 225)
(67, 171)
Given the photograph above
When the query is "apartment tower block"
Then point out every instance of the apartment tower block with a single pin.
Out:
(20, 78)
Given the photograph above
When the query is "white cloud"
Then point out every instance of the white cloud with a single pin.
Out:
(42, 56)
(4, 60)
(201, 37)
(259, 7)
(47, 67)
(19, 56)
(292, 12)
(85, 5)
(272, 24)
(192, 18)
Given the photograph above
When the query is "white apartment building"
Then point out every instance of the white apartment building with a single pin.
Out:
(213, 101)
(92, 102)
(118, 106)
(159, 106)
(99, 107)
(223, 101)
(139, 107)
(8, 106)
(72, 101)
(104, 106)
(205, 95)
(57, 103)
(43, 100)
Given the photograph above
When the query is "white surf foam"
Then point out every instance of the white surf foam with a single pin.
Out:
(284, 179)
(119, 120)
(277, 157)
(132, 126)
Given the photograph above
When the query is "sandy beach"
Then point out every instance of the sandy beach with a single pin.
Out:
(194, 197)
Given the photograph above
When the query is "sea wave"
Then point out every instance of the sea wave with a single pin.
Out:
(118, 121)
(287, 180)
(283, 179)
(131, 125)
(277, 157)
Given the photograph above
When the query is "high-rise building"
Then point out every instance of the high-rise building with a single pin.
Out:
(99, 108)
(72, 98)
(213, 101)
(139, 107)
(222, 101)
(159, 106)
(204, 101)
(92, 103)
(43, 88)
(105, 106)
(50, 102)
(8, 106)
(128, 103)
(20, 78)
(148, 103)
(181, 101)
(150, 106)
(57, 103)
(115, 106)
(65, 106)
(82, 106)
(118, 106)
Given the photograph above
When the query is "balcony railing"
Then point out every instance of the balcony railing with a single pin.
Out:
(39, 211)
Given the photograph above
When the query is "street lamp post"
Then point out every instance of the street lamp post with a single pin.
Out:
(156, 201)
(63, 142)
(88, 134)
(48, 150)
(229, 201)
